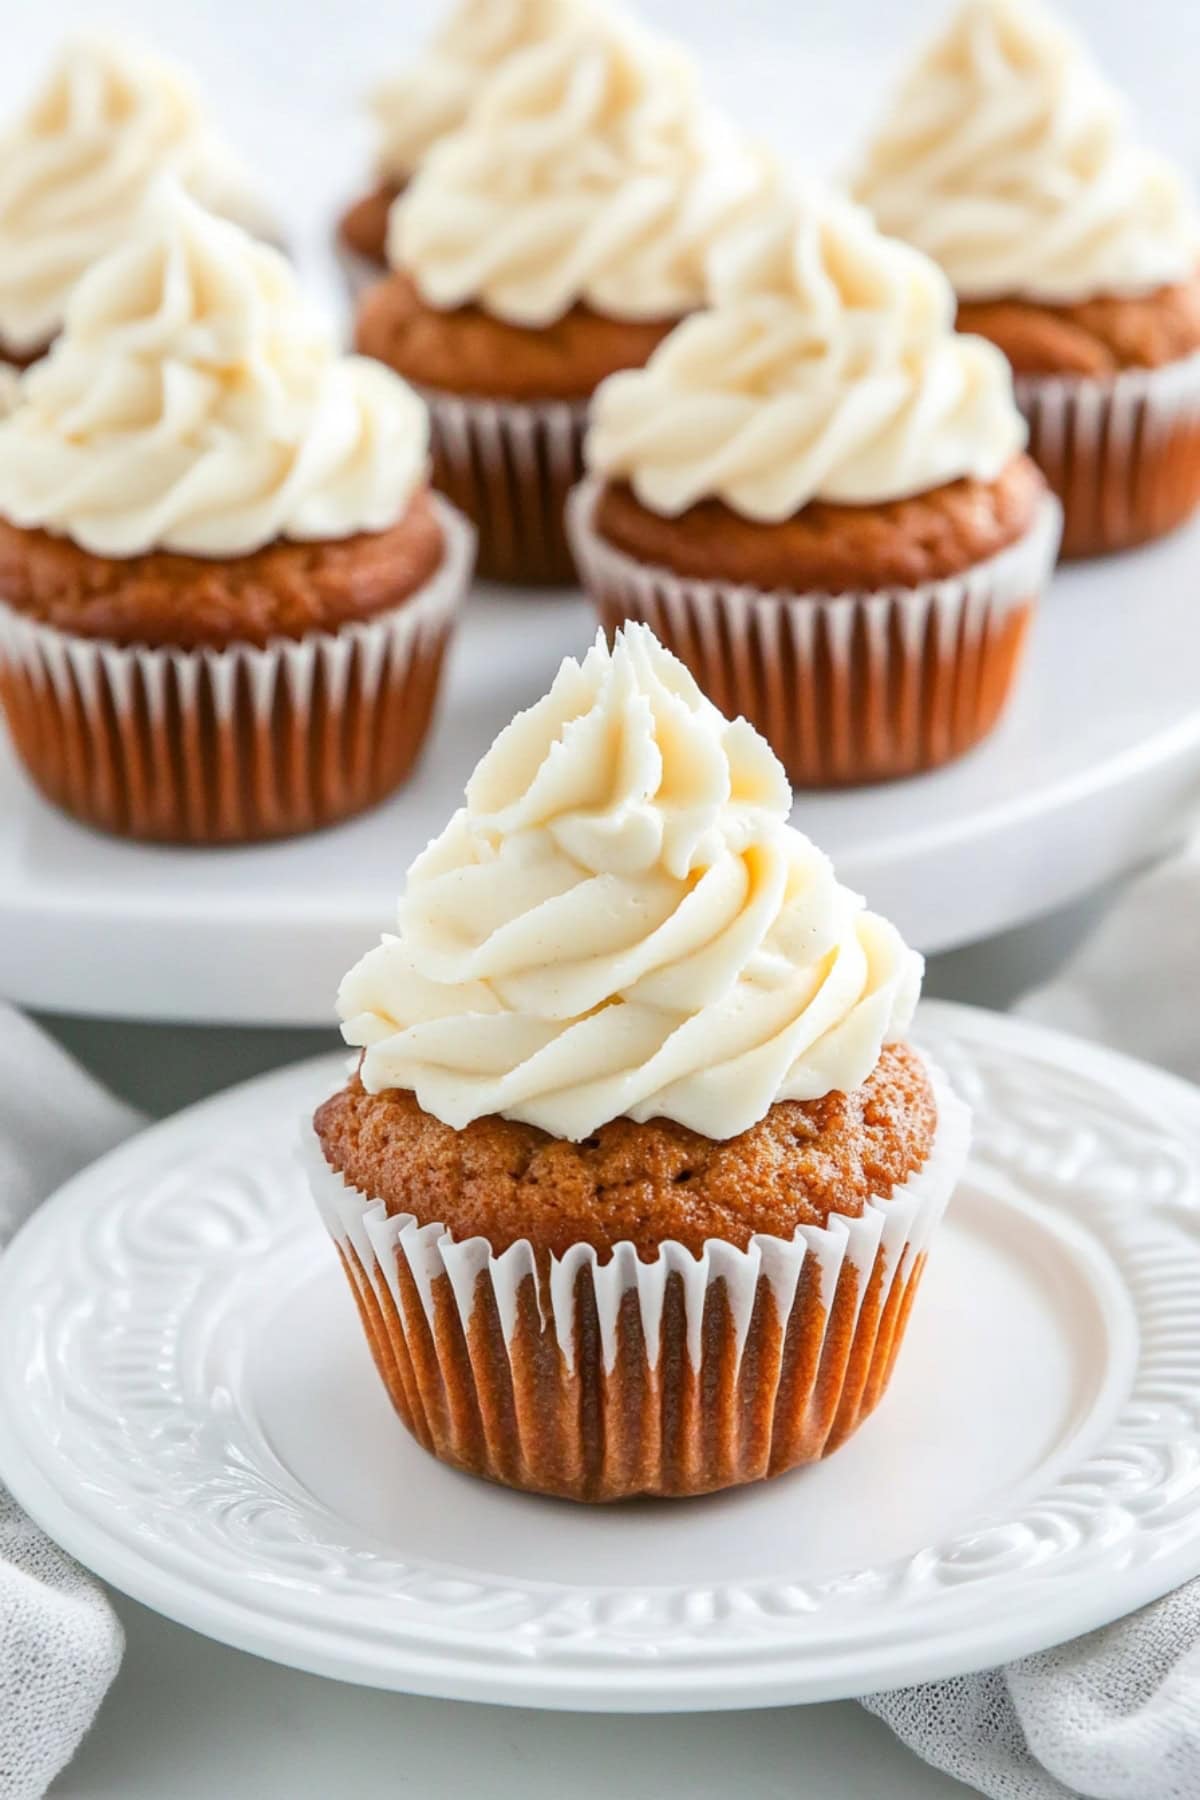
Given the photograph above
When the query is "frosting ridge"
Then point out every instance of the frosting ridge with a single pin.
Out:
(194, 403)
(827, 368)
(433, 96)
(1007, 157)
(590, 169)
(621, 921)
(77, 164)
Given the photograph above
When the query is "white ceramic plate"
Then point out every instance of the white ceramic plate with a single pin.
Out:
(1091, 771)
(187, 1403)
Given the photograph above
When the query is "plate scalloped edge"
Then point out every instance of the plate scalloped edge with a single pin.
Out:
(122, 1439)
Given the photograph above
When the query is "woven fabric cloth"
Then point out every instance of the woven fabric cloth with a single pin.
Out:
(1114, 1715)
(60, 1642)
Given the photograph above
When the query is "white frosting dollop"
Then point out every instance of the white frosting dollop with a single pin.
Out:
(433, 96)
(194, 403)
(621, 921)
(590, 170)
(76, 167)
(828, 368)
(1007, 157)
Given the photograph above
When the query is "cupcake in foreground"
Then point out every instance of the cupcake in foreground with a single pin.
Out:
(225, 589)
(1007, 157)
(432, 98)
(557, 237)
(634, 1183)
(815, 494)
(76, 167)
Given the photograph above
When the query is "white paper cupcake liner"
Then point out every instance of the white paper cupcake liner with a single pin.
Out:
(1122, 454)
(510, 466)
(234, 744)
(848, 687)
(602, 1379)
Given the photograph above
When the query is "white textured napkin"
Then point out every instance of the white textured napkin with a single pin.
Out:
(60, 1642)
(1114, 1715)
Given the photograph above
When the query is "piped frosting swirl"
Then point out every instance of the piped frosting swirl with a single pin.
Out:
(194, 403)
(621, 921)
(827, 368)
(1007, 157)
(433, 96)
(76, 167)
(590, 170)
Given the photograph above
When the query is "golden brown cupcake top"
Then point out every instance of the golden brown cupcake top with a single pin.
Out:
(470, 352)
(831, 549)
(162, 598)
(641, 1183)
(1091, 337)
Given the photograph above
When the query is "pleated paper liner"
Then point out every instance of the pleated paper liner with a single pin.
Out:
(601, 1381)
(238, 744)
(510, 467)
(847, 688)
(1123, 455)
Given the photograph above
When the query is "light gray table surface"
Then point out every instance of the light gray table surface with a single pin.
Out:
(189, 1719)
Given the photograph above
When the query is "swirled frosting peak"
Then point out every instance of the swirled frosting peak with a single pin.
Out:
(77, 164)
(1008, 157)
(828, 368)
(433, 96)
(620, 921)
(194, 403)
(589, 170)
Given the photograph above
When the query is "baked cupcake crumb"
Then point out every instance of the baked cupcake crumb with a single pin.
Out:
(644, 1183)
(284, 590)
(470, 351)
(1094, 337)
(828, 547)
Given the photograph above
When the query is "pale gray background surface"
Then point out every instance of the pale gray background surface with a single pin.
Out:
(187, 1717)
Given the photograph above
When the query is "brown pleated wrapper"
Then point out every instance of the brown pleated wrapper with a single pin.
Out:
(847, 688)
(604, 1381)
(238, 744)
(509, 466)
(1123, 455)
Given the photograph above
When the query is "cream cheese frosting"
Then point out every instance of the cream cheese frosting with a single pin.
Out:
(77, 164)
(590, 170)
(621, 921)
(433, 96)
(828, 368)
(1008, 157)
(194, 403)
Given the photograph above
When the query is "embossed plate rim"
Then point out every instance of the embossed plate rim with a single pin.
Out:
(714, 1668)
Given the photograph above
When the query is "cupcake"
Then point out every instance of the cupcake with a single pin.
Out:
(815, 494)
(1008, 158)
(559, 236)
(634, 1182)
(431, 98)
(76, 167)
(225, 589)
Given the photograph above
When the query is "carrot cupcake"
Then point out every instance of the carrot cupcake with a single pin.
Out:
(815, 494)
(635, 1179)
(557, 237)
(76, 166)
(1007, 157)
(225, 589)
(431, 98)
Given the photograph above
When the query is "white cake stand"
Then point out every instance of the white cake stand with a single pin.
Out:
(1096, 767)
